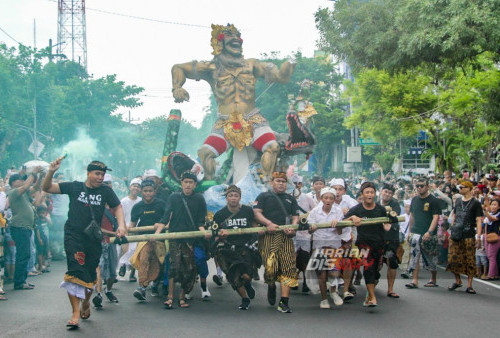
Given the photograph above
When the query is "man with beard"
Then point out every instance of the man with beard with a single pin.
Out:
(274, 208)
(233, 78)
(237, 255)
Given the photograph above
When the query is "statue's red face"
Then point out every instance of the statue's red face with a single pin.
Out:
(233, 43)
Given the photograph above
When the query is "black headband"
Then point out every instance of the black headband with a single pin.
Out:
(97, 166)
(147, 183)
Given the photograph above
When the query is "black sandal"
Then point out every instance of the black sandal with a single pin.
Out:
(471, 291)
(184, 304)
(454, 286)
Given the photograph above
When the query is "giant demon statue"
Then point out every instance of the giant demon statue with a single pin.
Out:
(233, 78)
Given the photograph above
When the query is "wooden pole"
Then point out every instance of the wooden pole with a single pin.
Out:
(243, 231)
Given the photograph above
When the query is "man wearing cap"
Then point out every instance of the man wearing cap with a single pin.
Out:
(128, 249)
(318, 183)
(424, 215)
(274, 208)
(465, 236)
(185, 211)
(237, 255)
(161, 192)
(302, 240)
(22, 224)
(87, 203)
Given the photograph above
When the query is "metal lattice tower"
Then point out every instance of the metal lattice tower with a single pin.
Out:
(71, 31)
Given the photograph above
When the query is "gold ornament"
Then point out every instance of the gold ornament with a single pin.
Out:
(238, 131)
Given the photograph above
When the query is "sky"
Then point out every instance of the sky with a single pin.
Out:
(142, 52)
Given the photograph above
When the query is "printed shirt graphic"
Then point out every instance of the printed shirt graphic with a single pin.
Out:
(79, 215)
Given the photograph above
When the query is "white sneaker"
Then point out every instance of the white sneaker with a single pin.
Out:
(205, 294)
(324, 304)
(336, 299)
(188, 296)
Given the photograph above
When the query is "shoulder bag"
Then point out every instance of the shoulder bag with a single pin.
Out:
(93, 230)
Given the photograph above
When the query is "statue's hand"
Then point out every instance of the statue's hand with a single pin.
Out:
(180, 95)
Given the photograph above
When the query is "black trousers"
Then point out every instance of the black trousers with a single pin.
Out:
(22, 238)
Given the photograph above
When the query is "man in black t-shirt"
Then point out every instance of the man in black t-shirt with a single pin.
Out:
(185, 211)
(274, 208)
(87, 202)
(424, 216)
(149, 255)
(237, 255)
(370, 238)
(391, 238)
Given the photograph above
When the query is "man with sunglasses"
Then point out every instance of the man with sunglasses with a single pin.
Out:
(424, 215)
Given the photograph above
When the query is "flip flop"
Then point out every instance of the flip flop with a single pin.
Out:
(85, 314)
(2, 297)
(169, 304)
(72, 324)
(183, 304)
(454, 286)
(411, 285)
(471, 291)
(431, 284)
(393, 295)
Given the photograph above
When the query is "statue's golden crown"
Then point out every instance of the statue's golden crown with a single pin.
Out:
(218, 35)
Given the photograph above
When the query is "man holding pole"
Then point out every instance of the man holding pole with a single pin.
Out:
(274, 208)
(237, 255)
(185, 211)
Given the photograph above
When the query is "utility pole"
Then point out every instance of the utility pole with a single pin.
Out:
(35, 140)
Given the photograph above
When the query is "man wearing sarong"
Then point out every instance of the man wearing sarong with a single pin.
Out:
(237, 255)
(82, 251)
(274, 208)
(185, 211)
(149, 256)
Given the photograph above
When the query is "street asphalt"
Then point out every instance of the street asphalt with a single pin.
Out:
(432, 312)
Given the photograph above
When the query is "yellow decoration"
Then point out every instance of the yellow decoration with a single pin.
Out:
(308, 112)
(238, 131)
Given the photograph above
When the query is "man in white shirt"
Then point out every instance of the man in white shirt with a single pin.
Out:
(302, 240)
(127, 250)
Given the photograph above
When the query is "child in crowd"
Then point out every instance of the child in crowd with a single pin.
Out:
(481, 261)
(41, 237)
(444, 242)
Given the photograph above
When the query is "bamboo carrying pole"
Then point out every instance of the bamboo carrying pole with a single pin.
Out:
(244, 231)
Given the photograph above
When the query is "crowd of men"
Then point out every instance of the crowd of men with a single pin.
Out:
(449, 221)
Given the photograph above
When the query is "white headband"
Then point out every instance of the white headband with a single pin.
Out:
(336, 181)
(328, 190)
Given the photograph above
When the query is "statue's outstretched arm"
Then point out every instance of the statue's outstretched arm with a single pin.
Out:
(190, 70)
(271, 73)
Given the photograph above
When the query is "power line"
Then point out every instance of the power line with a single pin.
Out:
(142, 18)
(10, 36)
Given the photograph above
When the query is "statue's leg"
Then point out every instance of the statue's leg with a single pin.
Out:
(269, 157)
(265, 141)
(214, 146)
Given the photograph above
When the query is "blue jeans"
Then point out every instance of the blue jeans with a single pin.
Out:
(22, 238)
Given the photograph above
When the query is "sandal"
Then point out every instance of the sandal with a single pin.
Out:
(392, 295)
(2, 297)
(183, 303)
(454, 286)
(169, 304)
(431, 284)
(132, 279)
(471, 291)
(72, 324)
(411, 285)
(85, 314)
